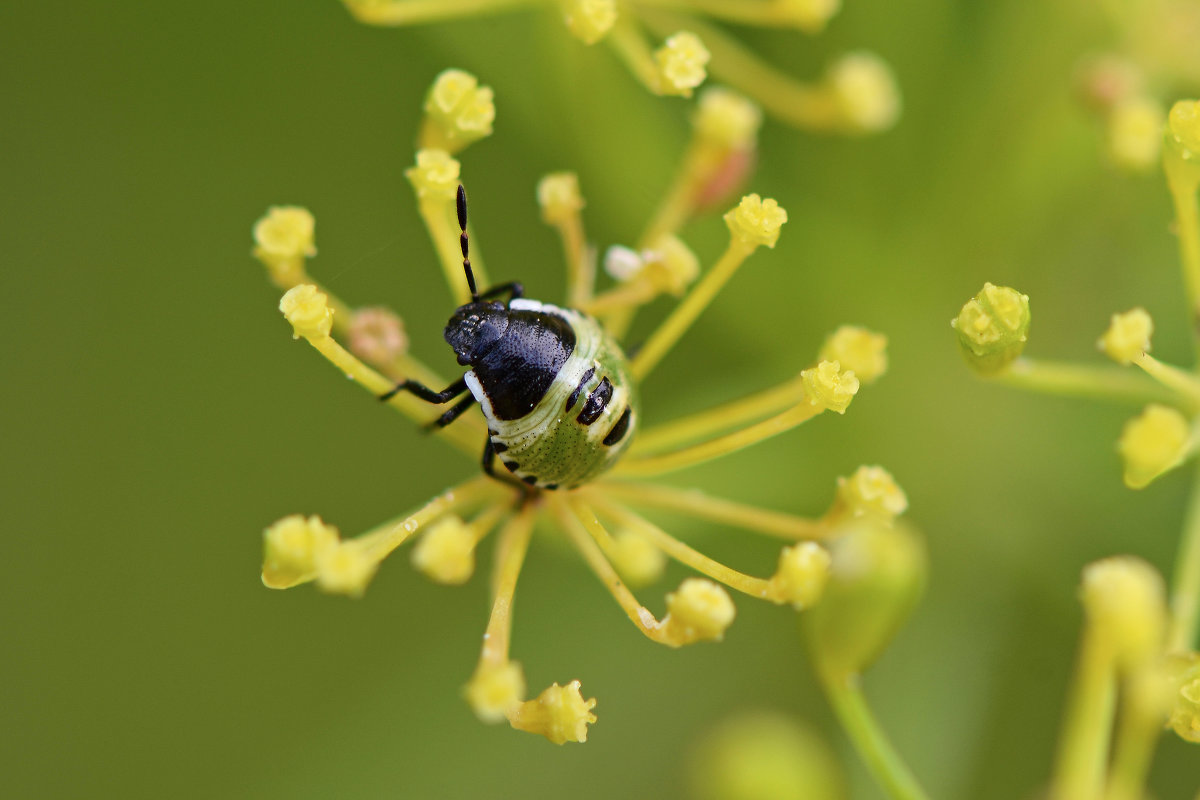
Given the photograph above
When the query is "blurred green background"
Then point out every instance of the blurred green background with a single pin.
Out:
(157, 414)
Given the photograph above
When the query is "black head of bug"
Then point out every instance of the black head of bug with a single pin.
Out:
(474, 330)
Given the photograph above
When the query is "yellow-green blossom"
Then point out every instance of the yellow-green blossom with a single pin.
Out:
(1135, 133)
(307, 308)
(458, 111)
(436, 174)
(559, 713)
(859, 350)
(344, 569)
(727, 119)
(830, 387)
(756, 221)
(872, 491)
(801, 576)
(495, 690)
(559, 197)
(590, 20)
(1152, 443)
(681, 61)
(1128, 336)
(993, 328)
(376, 335)
(698, 611)
(864, 92)
(283, 239)
(446, 553)
(290, 549)
(1126, 604)
(1184, 677)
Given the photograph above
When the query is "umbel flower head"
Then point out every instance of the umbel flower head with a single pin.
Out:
(672, 48)
(603, 516)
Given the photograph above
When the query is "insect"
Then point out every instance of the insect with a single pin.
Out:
(552, 384)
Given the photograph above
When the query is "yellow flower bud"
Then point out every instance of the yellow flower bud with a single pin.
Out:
(801, 576)
(875, 579)
(590, 20)
(1183, 127)
(1153, 443)
(345, 569)
(1184, 676)
(559, 713)
(1135, 133)
(698, 611)
(639, 562)
(1128, 336)
(765, 756)
(495, 690)
(872, 491)
(857, 349)
(446, 552)
(864, 91)
(993, 328)
(435, 175)
(756, 221)
(726, 119)
(1108, 80)
(283, 239)
(1126, 604)
(681, 64)
(829, 386)
(308, 310)
(460, 110)
(290, 548)
(810, 16)
(670, 265)
(376, 335)
(559, 197)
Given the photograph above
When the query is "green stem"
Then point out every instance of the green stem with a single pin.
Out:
(1079, 380)
(846, 696)
(1187, 220)
(1185, 589)
(1083, 747)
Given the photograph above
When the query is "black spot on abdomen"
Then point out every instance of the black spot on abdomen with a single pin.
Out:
(619, 430)
(574, 398)
(596, 403)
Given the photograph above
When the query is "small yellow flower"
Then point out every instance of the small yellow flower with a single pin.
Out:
(993, 328)
(559, 713)
(435, 175)
(1183, 127)
(756, 221)
(307, 308)
(639, 562)
(1135, 133)
(590, 20)
(1153, 443)
(801, 576)
(681, 64)
(810, 16)
(290, 549)
(344, 569)
(875, 579)
(1125, 601)
(1184, 673)
(446, 553)
(765, 756)
(282, 240)
(460, 110)
(859, 350)
(376, 335)
(1128, 336)
(495, 690)
(698, 611)
(727, 119)
(872, 491)
(559, 197)
(671, 266)
(830, 387)
(864, 90)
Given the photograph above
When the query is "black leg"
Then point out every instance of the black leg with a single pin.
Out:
(425, 393)
(514, 290)
(489, 458)
(454, 413)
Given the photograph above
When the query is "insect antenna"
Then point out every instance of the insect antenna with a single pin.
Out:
(462, 242)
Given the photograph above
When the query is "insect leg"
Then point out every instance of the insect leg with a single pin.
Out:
(454, 413)
(513, 289)
(425, 393)
(489, 458)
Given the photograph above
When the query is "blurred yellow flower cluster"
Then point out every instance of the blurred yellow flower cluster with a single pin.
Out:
(671, 47)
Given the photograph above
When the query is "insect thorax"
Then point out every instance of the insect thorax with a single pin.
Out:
(556, 417)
